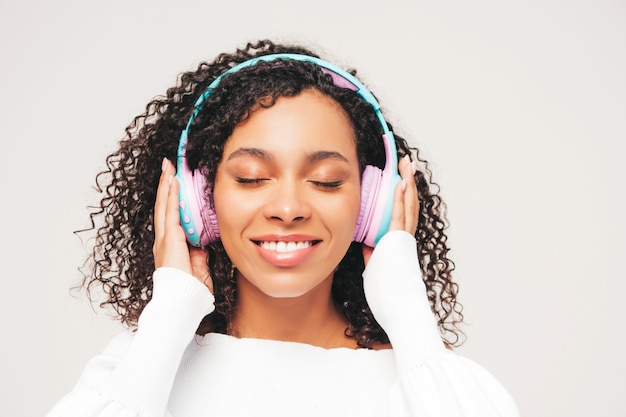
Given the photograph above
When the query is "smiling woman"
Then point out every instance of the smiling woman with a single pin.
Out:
(248, 269)
(292, 218)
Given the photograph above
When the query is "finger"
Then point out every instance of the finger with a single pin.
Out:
(172, 213)
(160, 205)
(397, 211)
(172, 250)
(411, 201)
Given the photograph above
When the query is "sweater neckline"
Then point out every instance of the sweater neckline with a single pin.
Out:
(251, 342)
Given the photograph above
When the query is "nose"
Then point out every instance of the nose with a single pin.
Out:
(288, 202)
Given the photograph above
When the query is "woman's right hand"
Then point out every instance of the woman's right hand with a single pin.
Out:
(170, 244)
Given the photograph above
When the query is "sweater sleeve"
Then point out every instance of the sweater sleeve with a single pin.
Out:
(134, 375)
(431, 380)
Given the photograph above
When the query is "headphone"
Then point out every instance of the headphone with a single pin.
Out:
(198, 218)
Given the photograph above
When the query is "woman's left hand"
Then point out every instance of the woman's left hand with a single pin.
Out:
(392, 281)
(406, 206)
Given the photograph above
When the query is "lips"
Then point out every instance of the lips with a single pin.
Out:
(285, 251)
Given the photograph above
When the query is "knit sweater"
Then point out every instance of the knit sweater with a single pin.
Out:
(163, 369)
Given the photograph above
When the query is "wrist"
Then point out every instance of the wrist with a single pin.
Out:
(178, 299)
(396, 294)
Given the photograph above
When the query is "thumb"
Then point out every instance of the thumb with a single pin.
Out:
(199, 266)
(367, 253)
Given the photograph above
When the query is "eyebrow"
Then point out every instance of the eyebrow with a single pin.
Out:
(310, 158)
(323, 155)
(255, 152)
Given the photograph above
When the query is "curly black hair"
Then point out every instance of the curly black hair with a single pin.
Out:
(121, 261)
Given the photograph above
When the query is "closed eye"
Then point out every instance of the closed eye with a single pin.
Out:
(250, 181)
(328, 185)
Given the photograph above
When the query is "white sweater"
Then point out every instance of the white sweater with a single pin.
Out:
(163, 369)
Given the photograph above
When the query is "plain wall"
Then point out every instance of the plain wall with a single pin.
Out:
(519, 106)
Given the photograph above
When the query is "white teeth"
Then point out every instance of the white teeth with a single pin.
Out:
(285, 246)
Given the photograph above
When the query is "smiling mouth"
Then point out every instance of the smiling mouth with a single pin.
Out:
(285, 247)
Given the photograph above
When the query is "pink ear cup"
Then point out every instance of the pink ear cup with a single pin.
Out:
(377, 187)
(210, 232)
(369, 191)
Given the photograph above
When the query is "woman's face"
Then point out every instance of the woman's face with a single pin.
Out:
(287, 194)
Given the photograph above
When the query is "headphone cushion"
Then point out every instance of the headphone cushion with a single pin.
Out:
(370, 182)
(208, 219)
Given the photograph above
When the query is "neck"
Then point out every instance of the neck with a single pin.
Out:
(311, 318)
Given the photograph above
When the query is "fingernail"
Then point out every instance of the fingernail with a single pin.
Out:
(413, 167)
(163, 164)
(403, 186)
(408, 164)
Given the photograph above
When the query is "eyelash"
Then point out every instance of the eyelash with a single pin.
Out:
(256, 181)
(327, 185)
(250, 181)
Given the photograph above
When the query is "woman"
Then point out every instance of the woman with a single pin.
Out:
(242, 270)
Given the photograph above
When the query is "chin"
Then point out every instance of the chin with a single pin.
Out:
(285, 293)
(287, 285)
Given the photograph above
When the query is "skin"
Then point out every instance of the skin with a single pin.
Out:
(293, 151)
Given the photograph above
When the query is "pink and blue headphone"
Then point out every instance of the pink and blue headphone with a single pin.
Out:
(198, 217)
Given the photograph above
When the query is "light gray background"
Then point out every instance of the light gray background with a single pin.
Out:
(519, 106)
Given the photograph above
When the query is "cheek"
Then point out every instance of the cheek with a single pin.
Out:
(232, 216)
(231, 211)
(341, 215)
(232, 219)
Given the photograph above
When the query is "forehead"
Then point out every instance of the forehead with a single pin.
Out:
(298, 125)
